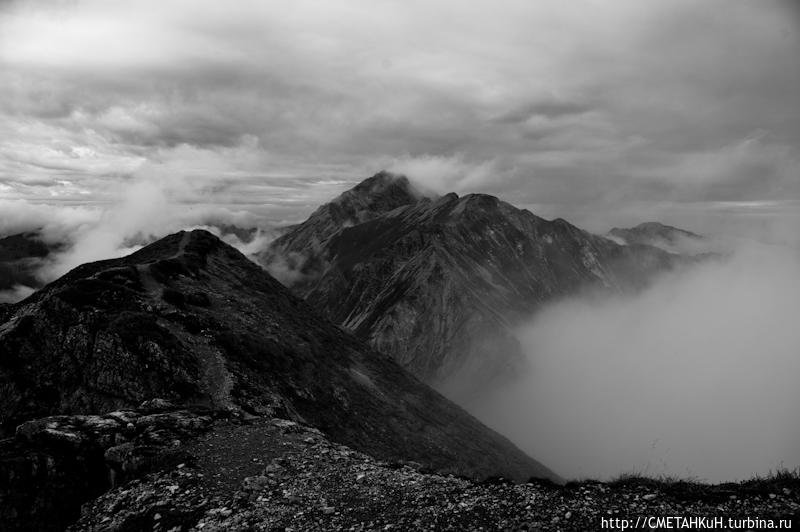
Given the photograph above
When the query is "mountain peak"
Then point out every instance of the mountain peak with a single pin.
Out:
(198, 242)
(155, 267)
(382, 182)
(292, 256)
(479, 201)
(383, 192)
(441, 284)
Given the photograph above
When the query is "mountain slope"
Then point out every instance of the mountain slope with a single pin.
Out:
(440, 284)
(191, 320)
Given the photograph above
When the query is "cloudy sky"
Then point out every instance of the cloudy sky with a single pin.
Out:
(599, 111)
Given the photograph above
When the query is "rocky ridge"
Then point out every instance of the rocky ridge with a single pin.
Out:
(191, 320)
(290, 477)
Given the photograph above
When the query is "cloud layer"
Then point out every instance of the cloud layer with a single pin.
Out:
(573, 107)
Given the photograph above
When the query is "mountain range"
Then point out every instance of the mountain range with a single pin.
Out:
(441, 283)
(188, 352)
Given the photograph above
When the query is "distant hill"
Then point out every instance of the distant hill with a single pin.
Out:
(656, 234)
(21, 256)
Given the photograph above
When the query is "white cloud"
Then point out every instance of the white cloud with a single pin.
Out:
(443, 174)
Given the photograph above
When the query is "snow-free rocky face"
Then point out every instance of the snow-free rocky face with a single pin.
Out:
(440, 284)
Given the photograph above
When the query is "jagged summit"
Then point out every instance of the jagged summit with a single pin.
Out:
(381, 187)
(293, 258)
(191, 320)
(375, 195)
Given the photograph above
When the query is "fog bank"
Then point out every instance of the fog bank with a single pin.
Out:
(695, 377)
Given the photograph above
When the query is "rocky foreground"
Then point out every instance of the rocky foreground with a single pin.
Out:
(274, 474)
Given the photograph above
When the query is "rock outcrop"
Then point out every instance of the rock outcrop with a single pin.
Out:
(55, 464)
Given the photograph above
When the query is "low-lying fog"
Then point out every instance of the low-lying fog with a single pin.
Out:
(143, 210)
(697, 376)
